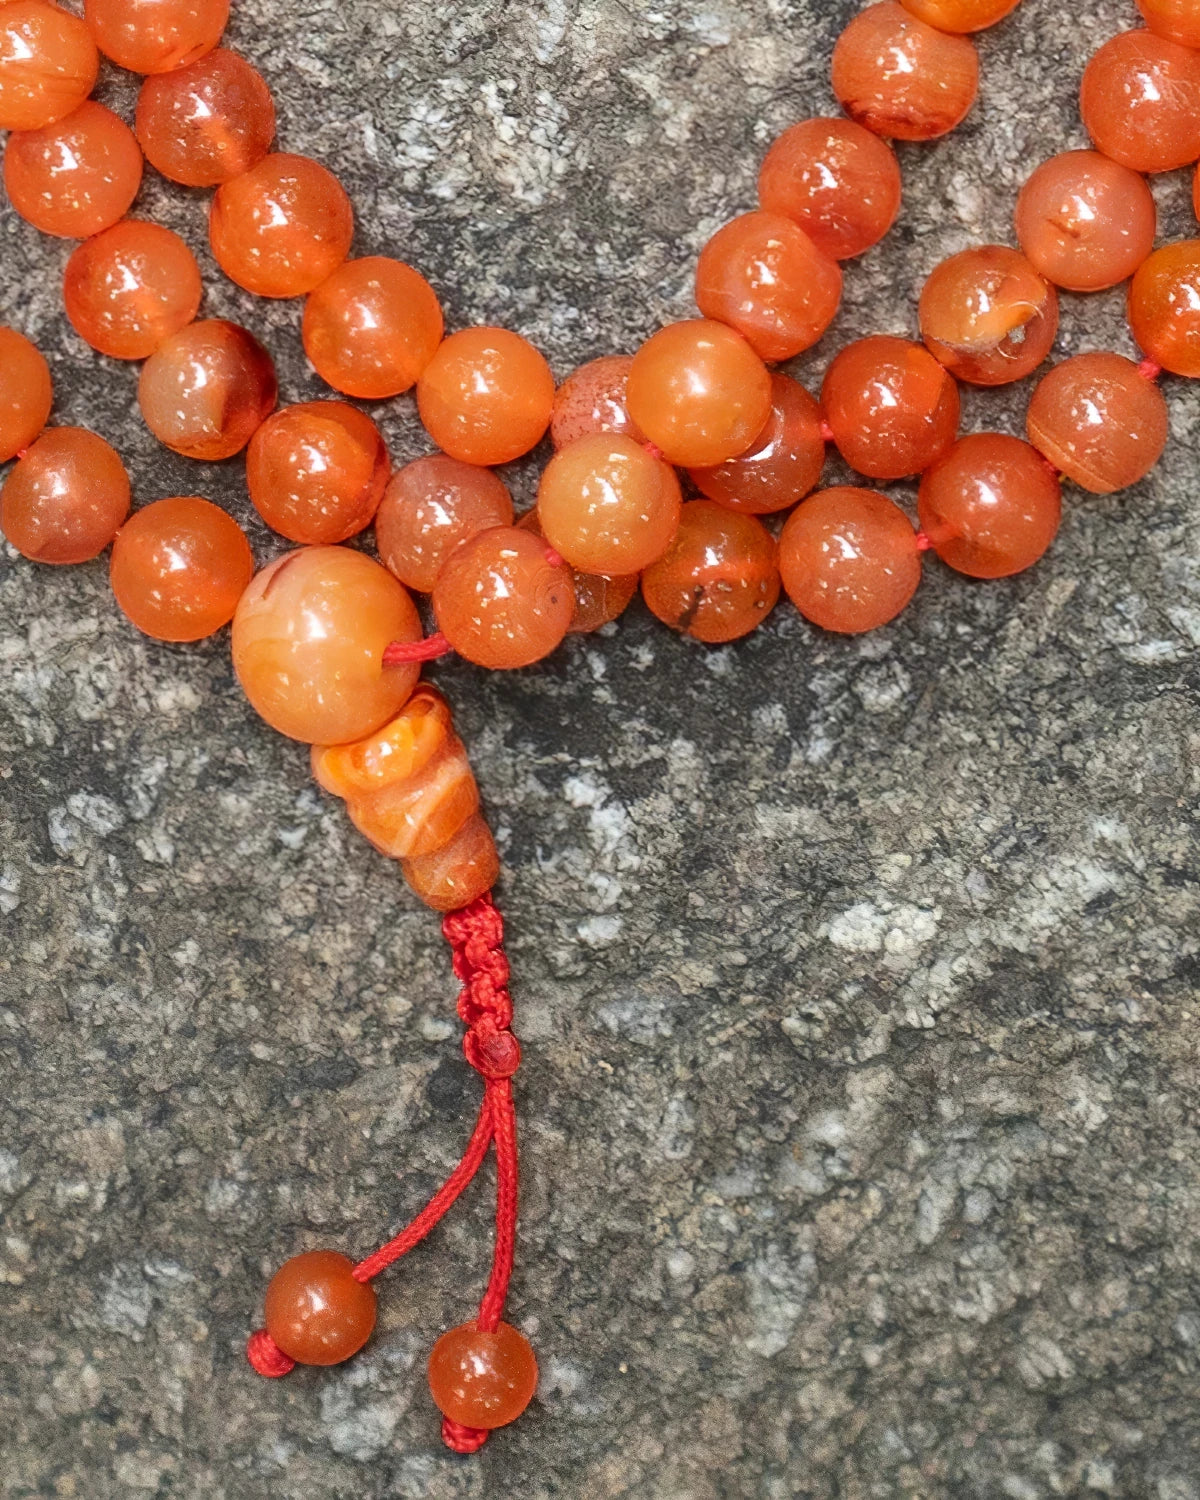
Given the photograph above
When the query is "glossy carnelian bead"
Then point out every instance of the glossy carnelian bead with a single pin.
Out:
(607, 505)
(501, 599)
(482, 1380)
(316, 1311)
(1085, 222)
(902, 78)
(308, 642)
(26, 393)
(179, 567)
(988, 316)
(891, 407)
(961, 15)
(207, 389)
(316, 472)
(130, 288)
(1100, 421)
(837, 180)
(595, 398)
(428, 508)
(1141, 102)
(75, 177)
(762, 275)
(282, 227)
(1178, 20)
(65, 499)
(372, 327)
(452, 877)
(207, 123)
(783, 463)
(991, 506)
(849, 560)
(156, 36)
(699, 393)
(48, 64)
(719, 578)
(1164, 307)
(599, 599)
(486, 396)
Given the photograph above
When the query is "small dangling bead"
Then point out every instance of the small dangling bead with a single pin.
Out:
(902, 78)
(76, 177)
(26, 393)
(988, 316)
(316, 1311)
(482, 1380)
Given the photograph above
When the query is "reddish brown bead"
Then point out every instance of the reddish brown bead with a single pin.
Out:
(1164, 307)
(179, 567)
(1085, 222)
(1100, 421)
(902, 78)
(483, 1380)
(129, 289)
(783, 463)
(719, 578)
(607, 505)
(316, 1311)
(26, 393)
(1141, 102)
(991, 506)
(207, 123)
(598, 599)
(1178, 20)
(371, 329)
(988, 316)
(206, 390)
(486, 396)
(156, 36)
(891, 407)
(48, 64)
(63, 502)
(502, 601)
(961, 15)
(594, 399)
(431, 506)
(75, 177)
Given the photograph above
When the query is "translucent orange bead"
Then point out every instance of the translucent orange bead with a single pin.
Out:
(431, 506)
(1141, 102)
(48, 64)
(839, 182)
(483, 1380)
(63, 502)
(988, 316)
(282, 227)
(598, 599)
(1084, 222)
(891, 407)
(156, 36)
(486, 396)
(308, 642)
(1164, 307)
(207, 389)
(501, 601)
(207, 123)
(1100, 421)
(371, 329)
(607, 505)
(316, 1311)
(130, 288)
(179, 567)
(719, 578)
(961, 15)
(849, 560)
(451, 878)
(900, 77)
(991, 506)
(75, 177)
(26, 393)
(699, 393)
(594, 399)
(316, 472)
(783, 463)
(1178, 20)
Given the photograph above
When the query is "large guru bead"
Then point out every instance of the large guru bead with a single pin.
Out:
(902, 78)
(891, 407)
(75, 177)
(988, 316)
(26, 393)
(719, 578)
(48, 64)
(65, 499)
(1100, 421)
(206, 390)
(156, 36)
(1140, 101)
(1164, 307)
(126, 291)
(207, 123)
(316, 1311)
(481, 1379)
(607, 506)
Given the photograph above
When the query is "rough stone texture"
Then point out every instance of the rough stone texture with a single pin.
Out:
(858, 979)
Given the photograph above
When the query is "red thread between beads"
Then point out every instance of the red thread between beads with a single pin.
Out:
(826, 431)
(401, 652)
(924, 542)
(267, 1357)
(1150, 369)
(463, 1439)
(653, 450)
(555, 559)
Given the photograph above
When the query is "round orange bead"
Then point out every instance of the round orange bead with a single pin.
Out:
(991, 506)
(482, 1380)
(594, 399)
(849, 560)
(1141, 102)
(282, 227)
(156, 36)
(179, 567)
(961, 15)
(75, 177)
(1100, 421)
(308, 642)
(839, 182)
(207, 389)
(699, 393)
(431, 506)
(48, 64)
(130, 288)
(988, 316)
(486, 396)
(598, 599)
(26, 393)
(1164, 307)
(782, 465)
(207, 123)
(63, 502)
(1084, 222)
(316, 472)
(1178, 20)
(719, 578)
(316, 1311)
(607, 505)
(900, 77)
(501, 601)
(371, 329)
(891, 406)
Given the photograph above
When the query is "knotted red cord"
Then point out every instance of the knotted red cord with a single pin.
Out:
(428, 649)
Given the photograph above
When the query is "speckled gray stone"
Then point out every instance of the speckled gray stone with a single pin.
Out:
(858, 979)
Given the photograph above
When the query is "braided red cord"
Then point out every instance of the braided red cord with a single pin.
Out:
(429, 649)
(463, 1439)
(267, 1357)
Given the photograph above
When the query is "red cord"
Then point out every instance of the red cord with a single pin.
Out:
(399, 653)
(826, 431)
(924, 542)
(1150, 369)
